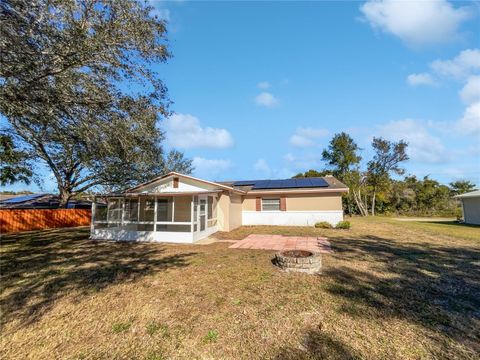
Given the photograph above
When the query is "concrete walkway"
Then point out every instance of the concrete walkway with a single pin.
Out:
(281, 243)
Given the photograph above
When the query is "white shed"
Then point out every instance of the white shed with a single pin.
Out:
(470, 207)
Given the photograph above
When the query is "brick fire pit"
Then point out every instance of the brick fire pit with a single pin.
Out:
(299, 260)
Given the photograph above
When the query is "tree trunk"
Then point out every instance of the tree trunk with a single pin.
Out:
(373, 202)
(65, 196)
(360, 204)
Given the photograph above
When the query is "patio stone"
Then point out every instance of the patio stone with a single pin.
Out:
(282, 243)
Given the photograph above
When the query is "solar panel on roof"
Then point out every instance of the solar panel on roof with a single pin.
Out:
(244, 183)
(318, 182)
(20, 199)
(283, 183)
(290, 183)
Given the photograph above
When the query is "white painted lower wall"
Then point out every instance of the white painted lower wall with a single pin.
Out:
(203, 234)
(291, 218)
(151, 236)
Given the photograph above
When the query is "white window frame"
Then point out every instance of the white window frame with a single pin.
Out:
(271, 198)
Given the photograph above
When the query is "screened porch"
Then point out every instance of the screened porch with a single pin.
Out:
(153, 217)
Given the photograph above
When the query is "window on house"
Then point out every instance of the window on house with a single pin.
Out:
(271, 204)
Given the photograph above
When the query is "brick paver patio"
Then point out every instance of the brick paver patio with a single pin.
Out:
(281, 243)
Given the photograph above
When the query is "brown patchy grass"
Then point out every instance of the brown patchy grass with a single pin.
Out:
(391, 290)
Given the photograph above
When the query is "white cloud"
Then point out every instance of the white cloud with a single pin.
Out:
(264, 170)
(470, 93)
(263, 85)
(469, 124)
(305, 137)
(416, 22)
(262, 166)
(465, 68)
(422, 146)
(210, 168)
(289, 157)
(420, 79)
(303, 162)
(460, 67)
(184, 131)
(266, 99)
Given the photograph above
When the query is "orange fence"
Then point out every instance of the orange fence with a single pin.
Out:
(13, 220)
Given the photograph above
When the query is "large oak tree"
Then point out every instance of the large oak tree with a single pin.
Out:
(78, 87)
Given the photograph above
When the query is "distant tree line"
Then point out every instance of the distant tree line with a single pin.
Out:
(373, 189)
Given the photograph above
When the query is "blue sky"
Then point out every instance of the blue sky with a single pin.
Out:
(260, 88)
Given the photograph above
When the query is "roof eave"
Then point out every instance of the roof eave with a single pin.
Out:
(173, 173)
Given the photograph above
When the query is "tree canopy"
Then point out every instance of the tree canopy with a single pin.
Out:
(341, 154)
(313, 173)
(14, 164)
(374, 188)
(461, 187)
(387, 159)
(78, 88)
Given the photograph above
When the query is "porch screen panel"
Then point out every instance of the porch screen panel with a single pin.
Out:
(173, 228)
(164, 209)
(100, 214)
(195, 212)
(212, 211)
(100, 211)
(147, 209)
(131, 210)
(115, 210)
(182, 209)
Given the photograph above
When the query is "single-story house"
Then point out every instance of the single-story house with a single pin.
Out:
(470, 207)
(184, 209)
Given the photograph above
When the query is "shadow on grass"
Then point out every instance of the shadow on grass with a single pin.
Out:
(40, 267)
(434, 286)
(317, 345)
(430, 285)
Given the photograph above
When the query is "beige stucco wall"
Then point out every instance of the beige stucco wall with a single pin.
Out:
(229, 208)
(235, 211)
(471, 210)
(302, 202)
(223, 212)
(249, 203)
(317, 202)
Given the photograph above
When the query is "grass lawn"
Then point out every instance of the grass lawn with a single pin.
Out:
(391, 290)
